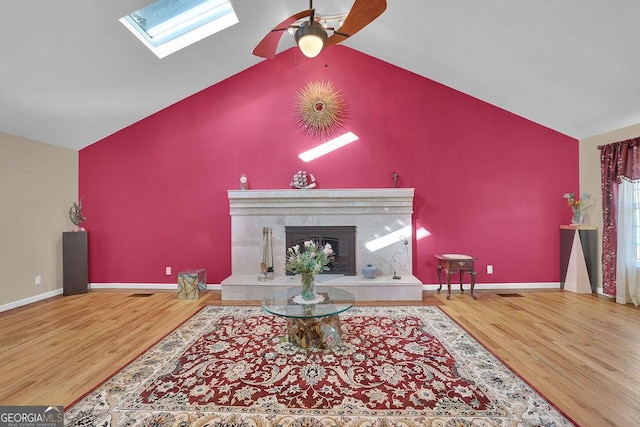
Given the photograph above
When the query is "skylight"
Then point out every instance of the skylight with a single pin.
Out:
(166, 26)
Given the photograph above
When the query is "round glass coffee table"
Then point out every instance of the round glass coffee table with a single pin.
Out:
(310, 325)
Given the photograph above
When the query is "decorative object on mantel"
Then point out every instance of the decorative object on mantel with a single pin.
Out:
(309, 261)
(266, 266)
(395, 180)
(369, 271)
(76, 216)
(578, 207)
(244, 182)
(303, 180)
(320, 109)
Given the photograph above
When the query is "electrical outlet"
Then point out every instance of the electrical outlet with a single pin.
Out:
(489, 269)
(167, 271)
(38, 280)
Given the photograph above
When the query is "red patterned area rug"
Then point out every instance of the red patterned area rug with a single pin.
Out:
(397, 366)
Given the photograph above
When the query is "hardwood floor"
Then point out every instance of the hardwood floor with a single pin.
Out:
(581, 351)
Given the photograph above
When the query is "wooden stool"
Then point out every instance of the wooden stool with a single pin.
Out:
(452, 263)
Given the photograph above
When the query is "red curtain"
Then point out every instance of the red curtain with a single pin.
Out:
(616, 160)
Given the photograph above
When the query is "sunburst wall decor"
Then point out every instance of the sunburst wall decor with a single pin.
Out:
(320, 109)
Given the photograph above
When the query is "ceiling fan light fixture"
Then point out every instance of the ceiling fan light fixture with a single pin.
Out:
(310, 38)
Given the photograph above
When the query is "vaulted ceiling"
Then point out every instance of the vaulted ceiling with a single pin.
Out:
(71, 74)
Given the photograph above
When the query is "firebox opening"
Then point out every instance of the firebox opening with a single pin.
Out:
(341, 238)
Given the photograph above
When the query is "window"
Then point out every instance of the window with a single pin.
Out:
(628, 221)
(636, 217)
(166, 26)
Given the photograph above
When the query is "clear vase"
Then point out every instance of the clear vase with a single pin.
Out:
(308, 286)
(578, 218)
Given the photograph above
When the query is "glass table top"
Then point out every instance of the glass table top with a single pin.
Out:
(332, 301)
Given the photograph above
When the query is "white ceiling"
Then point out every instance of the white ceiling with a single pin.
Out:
(71, 74)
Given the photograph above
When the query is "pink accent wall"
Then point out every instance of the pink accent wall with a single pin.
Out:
(487, 182)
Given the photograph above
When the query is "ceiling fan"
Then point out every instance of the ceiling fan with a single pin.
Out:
(311, 36)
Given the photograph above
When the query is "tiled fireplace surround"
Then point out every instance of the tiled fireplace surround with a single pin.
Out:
(375, 212)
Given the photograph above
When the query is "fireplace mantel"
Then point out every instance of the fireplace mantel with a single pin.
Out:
(374, 212)
(359, 201)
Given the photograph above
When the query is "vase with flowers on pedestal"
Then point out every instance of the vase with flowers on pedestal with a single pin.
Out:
(308, 260)
(577, 218)
(578, 207)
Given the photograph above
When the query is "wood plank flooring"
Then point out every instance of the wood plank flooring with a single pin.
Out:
(581, 351)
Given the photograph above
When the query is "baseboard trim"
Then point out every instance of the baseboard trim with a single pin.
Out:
(425, 287)
(217, 287)
(147, 286)
(30, 300)
(501, 286)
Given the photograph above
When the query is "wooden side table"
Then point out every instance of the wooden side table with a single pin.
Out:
(452, 263)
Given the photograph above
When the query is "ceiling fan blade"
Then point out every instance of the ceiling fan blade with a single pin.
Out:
(269, 44)
(361, 14)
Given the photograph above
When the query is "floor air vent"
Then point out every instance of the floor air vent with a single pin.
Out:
(140, 295)
(509, 295)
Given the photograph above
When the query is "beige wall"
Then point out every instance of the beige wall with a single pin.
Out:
(590, 176)
(38, 184)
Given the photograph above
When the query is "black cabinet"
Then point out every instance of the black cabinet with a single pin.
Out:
(75, 263)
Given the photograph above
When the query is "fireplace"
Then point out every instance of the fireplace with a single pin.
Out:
(342, 241)
(375, 217)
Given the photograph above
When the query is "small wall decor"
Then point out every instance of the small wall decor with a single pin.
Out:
(303, 180)
(320, 109)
